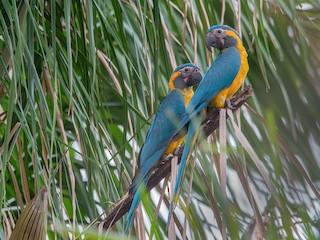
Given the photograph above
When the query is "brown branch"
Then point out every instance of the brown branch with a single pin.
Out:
(163, 167)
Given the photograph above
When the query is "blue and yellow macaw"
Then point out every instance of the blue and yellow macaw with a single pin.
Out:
(224, 77)
(162, 129)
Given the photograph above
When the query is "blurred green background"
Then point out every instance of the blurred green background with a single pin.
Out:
(81, 80)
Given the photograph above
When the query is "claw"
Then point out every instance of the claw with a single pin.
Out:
(170, 155)
(229, 105)
(176, 151)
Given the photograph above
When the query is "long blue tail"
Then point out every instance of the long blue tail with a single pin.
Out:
(185, 154)
(134, 205)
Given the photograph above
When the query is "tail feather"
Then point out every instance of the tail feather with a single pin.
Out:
(134, 205)
(185, 155)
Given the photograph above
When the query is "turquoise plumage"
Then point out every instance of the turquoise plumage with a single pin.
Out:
(162, 129)
(222, 79)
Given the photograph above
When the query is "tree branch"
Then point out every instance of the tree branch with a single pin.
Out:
(162, 169)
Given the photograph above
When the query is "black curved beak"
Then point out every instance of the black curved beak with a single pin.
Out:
(210, 39)
(195, 78)
(214, 41)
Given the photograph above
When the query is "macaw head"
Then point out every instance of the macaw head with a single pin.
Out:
(222, 37)
(185, 76)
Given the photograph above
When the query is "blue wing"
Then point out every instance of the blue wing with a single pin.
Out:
(219, 76)
(162, 129)
(161, 132)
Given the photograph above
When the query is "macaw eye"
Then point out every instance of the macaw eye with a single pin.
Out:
(186, 70)
(219, 31)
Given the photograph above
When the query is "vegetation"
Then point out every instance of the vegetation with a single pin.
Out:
(80, 81)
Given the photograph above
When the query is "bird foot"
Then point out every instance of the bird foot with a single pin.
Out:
(240, 99)
(170, 155)
(176, 151)
(229, 104)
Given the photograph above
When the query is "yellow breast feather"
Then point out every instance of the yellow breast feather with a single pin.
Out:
(244, 67)
(187, 94)
(219, 100)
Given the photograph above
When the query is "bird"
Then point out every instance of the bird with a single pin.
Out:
(222, 79)
(159, 141)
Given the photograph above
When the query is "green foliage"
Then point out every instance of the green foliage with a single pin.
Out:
(80, 81)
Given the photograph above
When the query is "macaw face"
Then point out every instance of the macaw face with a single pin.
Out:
(188, 77)
(221, 38)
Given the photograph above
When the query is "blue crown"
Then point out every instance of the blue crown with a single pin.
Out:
(224, 27)
(185, 65)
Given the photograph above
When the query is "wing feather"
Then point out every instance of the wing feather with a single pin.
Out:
(161, 131)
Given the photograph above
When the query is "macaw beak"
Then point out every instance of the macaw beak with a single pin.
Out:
(212, 41)
(209, 42)
(195, 78)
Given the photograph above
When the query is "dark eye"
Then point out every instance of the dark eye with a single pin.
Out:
(219, 31)
(186, 70)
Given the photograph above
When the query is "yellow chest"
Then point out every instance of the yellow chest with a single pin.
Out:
(238, 81)
(219, 100)
(187, 94)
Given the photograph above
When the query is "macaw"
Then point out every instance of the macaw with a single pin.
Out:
(224, 77)
(157, 143)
